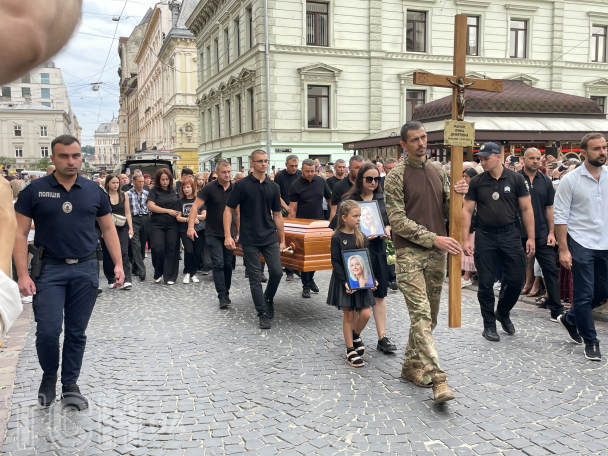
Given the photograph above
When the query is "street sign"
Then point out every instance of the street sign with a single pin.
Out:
(284, 151)
(459, 133)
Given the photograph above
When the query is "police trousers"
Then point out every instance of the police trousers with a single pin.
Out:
(420, 274)
(488, 248)
(65, 295)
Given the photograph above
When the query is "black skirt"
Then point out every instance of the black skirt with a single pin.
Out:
(338, 297)
(377, 253)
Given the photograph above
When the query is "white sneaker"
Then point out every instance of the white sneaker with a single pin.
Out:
(497, 286)
(126, 286)
(159, 279)
(27, 299)
(194, 279)
(187, 278)
(170, 283)
(466, 283)
(111, 286)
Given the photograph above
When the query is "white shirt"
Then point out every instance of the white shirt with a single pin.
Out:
(10, 303)
(581, 203)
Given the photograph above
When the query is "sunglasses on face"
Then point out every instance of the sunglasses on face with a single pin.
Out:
(370, 179)
(212, 178)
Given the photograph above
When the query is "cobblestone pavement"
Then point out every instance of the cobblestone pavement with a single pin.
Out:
(168, 373)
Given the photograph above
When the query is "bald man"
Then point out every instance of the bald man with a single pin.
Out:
(50, 169)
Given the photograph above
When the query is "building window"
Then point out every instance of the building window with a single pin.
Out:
(43, 131)
(519, 36)
(19, 152)
(124, 125)
(25, 91)
(17, 129)
(44, 151)
(209, 135)
(598, 44)
(318, 107)
(601, 102)
(413, 99)
(227, 118)
(237, 41)
(124, 144)
(217, 120)
(237, 113)
(473, 35)
(46, 103)
(45, 93)
(45, 78)
(250, 109)
(249, 28)
(216, 52)
(317, 24)
(416, 31)
(226, 48)
(6, 92)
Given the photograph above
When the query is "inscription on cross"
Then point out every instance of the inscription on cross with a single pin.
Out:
(458, 82)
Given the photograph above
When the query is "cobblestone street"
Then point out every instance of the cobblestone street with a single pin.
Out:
(168, 373)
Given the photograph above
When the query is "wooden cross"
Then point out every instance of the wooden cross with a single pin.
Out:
(458, 107)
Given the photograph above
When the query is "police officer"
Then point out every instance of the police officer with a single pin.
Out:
(498, 192)
(64, 207)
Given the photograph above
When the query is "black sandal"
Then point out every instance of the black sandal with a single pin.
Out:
(353, 358)
(358, 344)
(542, 302)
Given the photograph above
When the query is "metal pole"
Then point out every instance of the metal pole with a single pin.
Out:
(267, 51)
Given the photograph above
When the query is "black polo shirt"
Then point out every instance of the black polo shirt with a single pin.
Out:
(340, 189)
(126, 187)
(64, 235)
(166, 199)
(332, 182)
(257, 200)
(499, 210)
(284, 181)
(215, 198)
(309, 195)
(542, 196)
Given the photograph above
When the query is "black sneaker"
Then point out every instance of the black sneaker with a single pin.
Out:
(490, 333)
(142, 277)
(573, 334)
(386, 345)
(228, 300)
(592, 351)
(269, 307)
(506, 323)
(72, 397)
(264, 279)
(394, 286)
(306, 292)
(48, 390)
(265, 322)
(313, 287)
(224, 303)
(289, 278)
(554, 316)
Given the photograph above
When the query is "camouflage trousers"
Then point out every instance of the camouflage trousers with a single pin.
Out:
(420, 273)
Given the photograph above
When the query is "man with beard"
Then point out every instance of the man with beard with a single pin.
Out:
(342, 187)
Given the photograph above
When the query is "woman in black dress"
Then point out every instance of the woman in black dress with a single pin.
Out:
(164, 233)
(367, 188)
(192, 249)
(121, 216)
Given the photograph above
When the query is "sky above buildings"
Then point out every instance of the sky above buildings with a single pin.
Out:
(91, 56)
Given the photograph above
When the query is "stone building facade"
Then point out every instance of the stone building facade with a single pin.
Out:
(342, 69)
(107, 144)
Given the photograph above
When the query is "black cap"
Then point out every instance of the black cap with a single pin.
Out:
(488, 149)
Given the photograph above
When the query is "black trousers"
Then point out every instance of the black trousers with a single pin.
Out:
(204, 259)
(222, 260)
(272, 255)
(141, 225)
(489, 247)
(307, 279)
(192, 251)
(108, 264)
(547, 260)
(164, 240)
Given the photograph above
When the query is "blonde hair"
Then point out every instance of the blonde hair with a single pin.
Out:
(196, 176)
(343, 211)
(364, 269)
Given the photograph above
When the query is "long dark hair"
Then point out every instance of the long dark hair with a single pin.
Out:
(159, 174)
(357, 188)
(106, 185)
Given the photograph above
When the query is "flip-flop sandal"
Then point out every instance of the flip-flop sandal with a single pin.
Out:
(354, 359)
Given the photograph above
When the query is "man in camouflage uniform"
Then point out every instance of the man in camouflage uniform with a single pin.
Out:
(417, 201)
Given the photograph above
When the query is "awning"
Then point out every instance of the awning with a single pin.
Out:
(207, 157)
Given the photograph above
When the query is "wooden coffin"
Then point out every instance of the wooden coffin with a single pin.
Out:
(308, 245)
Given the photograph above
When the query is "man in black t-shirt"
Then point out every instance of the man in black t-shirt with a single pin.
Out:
(306, 201)
(342, 187)
(339, 174)
(260, 213)
(284, 179)
(214, 196)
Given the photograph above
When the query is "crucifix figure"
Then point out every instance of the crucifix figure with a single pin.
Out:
(461, 101)
(458, 108)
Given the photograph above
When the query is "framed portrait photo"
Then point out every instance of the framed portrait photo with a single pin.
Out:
(371, 220)
(359, 269)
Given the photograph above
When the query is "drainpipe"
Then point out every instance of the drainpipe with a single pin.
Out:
(268, 130)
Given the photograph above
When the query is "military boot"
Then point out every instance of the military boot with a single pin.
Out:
(440, 389)
(412, 371)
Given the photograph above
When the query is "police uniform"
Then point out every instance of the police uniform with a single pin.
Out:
(497, 237)
(66, 289)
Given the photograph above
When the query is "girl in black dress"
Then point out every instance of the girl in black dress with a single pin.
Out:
(121, 216)
(164, 234)
(192, 249)
(348, 236)
(367, 188)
